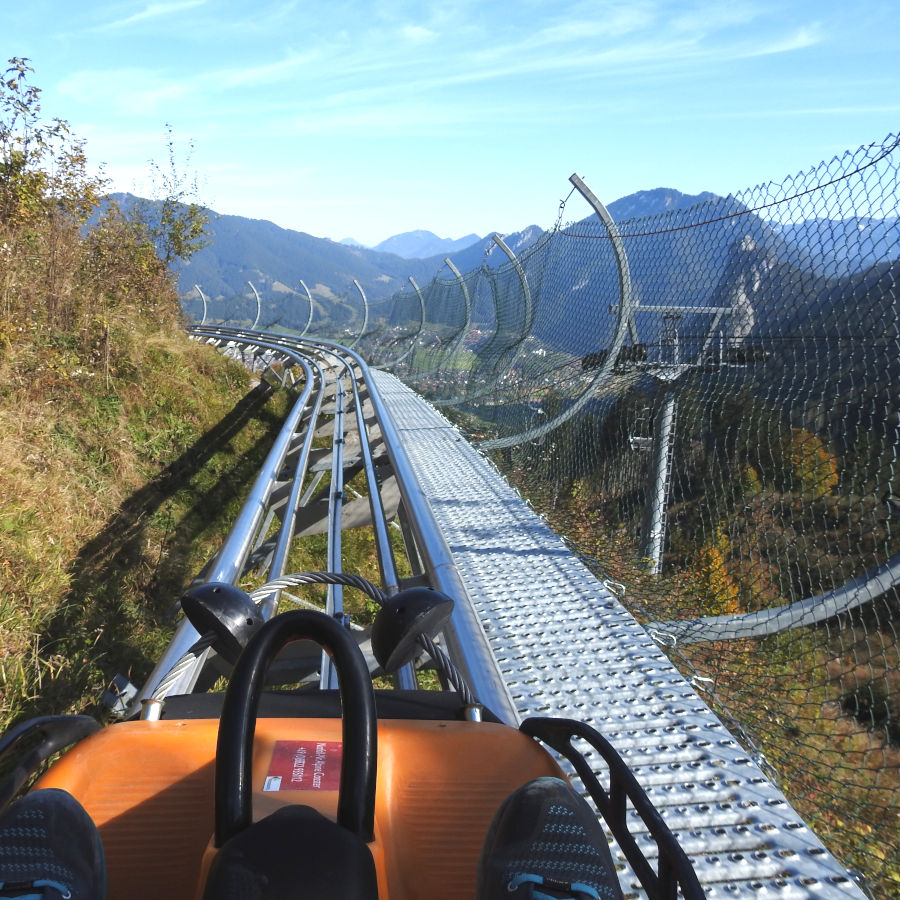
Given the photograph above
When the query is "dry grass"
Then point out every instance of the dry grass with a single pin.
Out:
(111, 502)
(124, 449)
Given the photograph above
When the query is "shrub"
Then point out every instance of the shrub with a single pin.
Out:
(716, 589)
(813, 469)
(43, 167)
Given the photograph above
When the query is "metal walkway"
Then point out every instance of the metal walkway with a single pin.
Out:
(539, 636)
(564, 645)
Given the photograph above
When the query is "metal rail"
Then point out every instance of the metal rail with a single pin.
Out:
(231, 559)
(568, 648)
(811, 611)
(533, 632)
(326, 367)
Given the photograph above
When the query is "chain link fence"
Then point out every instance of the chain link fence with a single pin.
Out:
(706, 404)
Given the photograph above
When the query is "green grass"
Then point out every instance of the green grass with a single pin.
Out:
(110, 508)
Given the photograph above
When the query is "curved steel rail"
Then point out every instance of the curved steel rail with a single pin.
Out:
(411, 339)
(231, 560)
(811, 611)
(325, 367)
(624, 323)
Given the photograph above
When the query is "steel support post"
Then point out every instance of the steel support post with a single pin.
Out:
(660, 478)
(365, 323)
(258, 306)
(309, 298)
(203, 320)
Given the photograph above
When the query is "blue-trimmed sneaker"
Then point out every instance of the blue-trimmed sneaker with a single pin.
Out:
(50, 850)
(546, 843)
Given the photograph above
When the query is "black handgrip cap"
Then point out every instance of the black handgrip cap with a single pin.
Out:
(226, 611)
(402, 619)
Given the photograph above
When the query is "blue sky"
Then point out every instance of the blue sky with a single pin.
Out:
(365, 119)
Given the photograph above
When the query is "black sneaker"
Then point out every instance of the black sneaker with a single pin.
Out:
(50, 850)
(546, 843)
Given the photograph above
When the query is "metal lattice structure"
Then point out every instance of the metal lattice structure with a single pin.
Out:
(534, 632)
(705, 403)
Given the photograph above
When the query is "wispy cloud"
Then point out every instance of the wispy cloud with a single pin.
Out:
(149, 12)
(611, 41)
(123, 91)
(406, 77)
(799, 39)
(267, 73)
(792, 112)
(707, 18)
(417, 34)
(612, 22)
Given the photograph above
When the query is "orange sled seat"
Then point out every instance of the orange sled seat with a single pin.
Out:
(149, 787)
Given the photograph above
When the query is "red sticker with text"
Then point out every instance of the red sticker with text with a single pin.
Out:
(304, 766)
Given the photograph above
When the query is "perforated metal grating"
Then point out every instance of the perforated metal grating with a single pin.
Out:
(566, 646)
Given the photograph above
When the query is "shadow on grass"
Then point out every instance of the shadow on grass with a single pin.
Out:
(122, 591)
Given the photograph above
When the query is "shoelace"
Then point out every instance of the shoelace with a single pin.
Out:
(551, 889)
(42, 889)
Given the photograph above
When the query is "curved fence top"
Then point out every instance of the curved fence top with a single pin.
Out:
(727, 448)
(724, 443)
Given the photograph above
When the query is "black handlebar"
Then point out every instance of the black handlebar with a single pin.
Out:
(55, 733)
(234, 750)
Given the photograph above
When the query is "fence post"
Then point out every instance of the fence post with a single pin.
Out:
(415, 337)
(626, 298)
(309, 317)
(258, 307)
(468, 301)
(365, 323)
(203, 320)
(654, 535)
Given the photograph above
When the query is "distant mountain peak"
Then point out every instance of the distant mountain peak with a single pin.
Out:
(421, 244)
(654, 202)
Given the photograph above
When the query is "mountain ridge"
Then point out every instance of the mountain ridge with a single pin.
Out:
(421, 244)
(275, 259)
